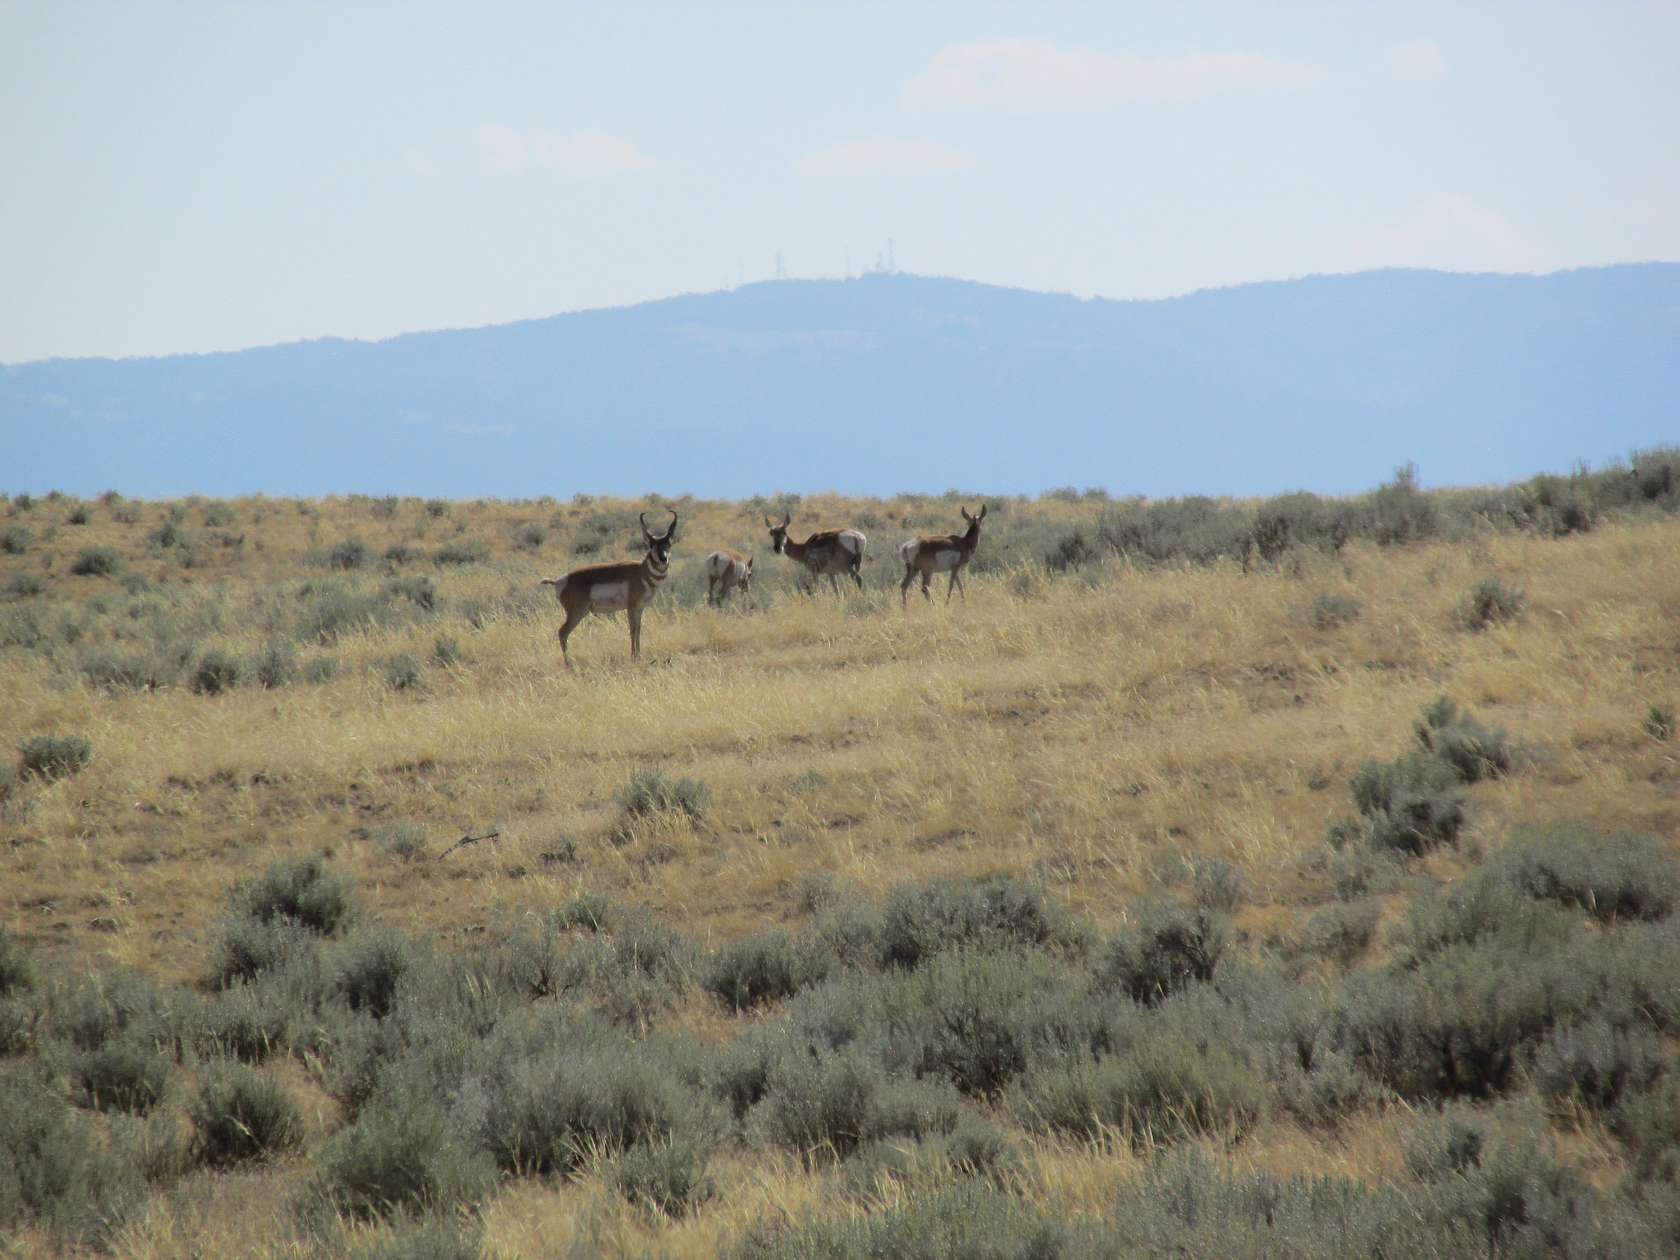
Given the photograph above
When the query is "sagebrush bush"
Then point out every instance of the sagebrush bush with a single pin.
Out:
(96, 562)
(1490, 602)
(1328, 611)
(669, 1179)
(1165, 1087)
(352, 553)
(248, 1022)
(301, 889)
(275, 666)
(1611, 877)
(762, 968)
(920, 920)
(15, 539)
(402, 672)
(1659, 722)
(241, 1116)
(23, 585)
(462, 551)
(17, 972)
(123, 1073)
(651, 792)
(399, 1157)
(54, 756)
(371, 968)
(55, 1169)
(250, 946)
(215, 673)
(1409, 806)
(1593, 1063)
(1167, 947)
(1474, 751)
(1342, 933)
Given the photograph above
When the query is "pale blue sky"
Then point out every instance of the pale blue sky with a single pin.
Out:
(181, 177)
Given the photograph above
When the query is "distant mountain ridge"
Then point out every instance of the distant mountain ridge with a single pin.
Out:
(897, 382)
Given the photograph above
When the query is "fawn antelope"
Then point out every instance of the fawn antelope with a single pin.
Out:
(727, 572)
(946, 554)
(611, 588)
(830, 551)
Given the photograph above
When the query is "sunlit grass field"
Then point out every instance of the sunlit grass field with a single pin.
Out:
(1104, 729)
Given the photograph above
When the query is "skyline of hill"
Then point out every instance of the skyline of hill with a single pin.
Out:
(895, 382)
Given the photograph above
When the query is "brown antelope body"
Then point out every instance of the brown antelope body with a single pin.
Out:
(727, 572)
(611, 588)
(828, 551)
(948, 553)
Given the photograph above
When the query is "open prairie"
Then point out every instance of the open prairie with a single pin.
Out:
(1154, 868)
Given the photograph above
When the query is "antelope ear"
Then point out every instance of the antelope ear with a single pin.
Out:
(671, 529)
(964, 511)
(770, 524)
(787, 519)
(982, 515)
(642, 517)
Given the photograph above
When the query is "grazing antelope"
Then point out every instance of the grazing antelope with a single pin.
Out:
(611, 588)
(830, 551)
(726, 572)
(946, 554)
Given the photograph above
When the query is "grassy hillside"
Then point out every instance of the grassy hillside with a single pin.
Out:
(831, 926)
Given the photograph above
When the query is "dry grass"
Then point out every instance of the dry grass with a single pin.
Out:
(1096, 733)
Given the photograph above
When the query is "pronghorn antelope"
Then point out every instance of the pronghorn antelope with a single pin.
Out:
(830, 551)
(611, 588)
(945, 554)
(726, 572)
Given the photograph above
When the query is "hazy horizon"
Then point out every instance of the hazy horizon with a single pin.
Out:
(194, 177)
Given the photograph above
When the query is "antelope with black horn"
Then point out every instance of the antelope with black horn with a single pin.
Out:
(948, 553)
(611, 588)
(828, 551)
(727, 572)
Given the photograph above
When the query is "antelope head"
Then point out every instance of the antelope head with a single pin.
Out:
(973, 521)
(659, 546)
(778, 533)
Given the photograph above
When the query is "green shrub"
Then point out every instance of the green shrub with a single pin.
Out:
(78, 515)
(300, 889)
(123, 1073)
(530, 537)
(249, 1021)
(405, 841)
(920, 920)
(1593, 1063)
(403, 673)
(15, 539)
(1489, 602)
(418, 590)
(462, 551)
(54, 1170)
(1342, 933)
(126, 671)
(971, 1220)
(1471, 749)
(763, 968)
(827, 1105)
(669, 1179)
(250, 947)
(371, 969)
(1328, 611)
(352, 553)
(54, 756)
(650, 792)
(23, 585)
(241, 1116)
(1410, 806)
(398, 554)
(215, 673)
(275, 666)
(397, 1158)
(1167, 948)
(446, 651)
(1659, 722)
(17, 972)
(1611, 877)
(550, 1111)
(1165, 1087)
(96, 562)
(437, 507)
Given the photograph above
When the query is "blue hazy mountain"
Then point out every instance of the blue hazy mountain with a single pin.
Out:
(897, 382)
